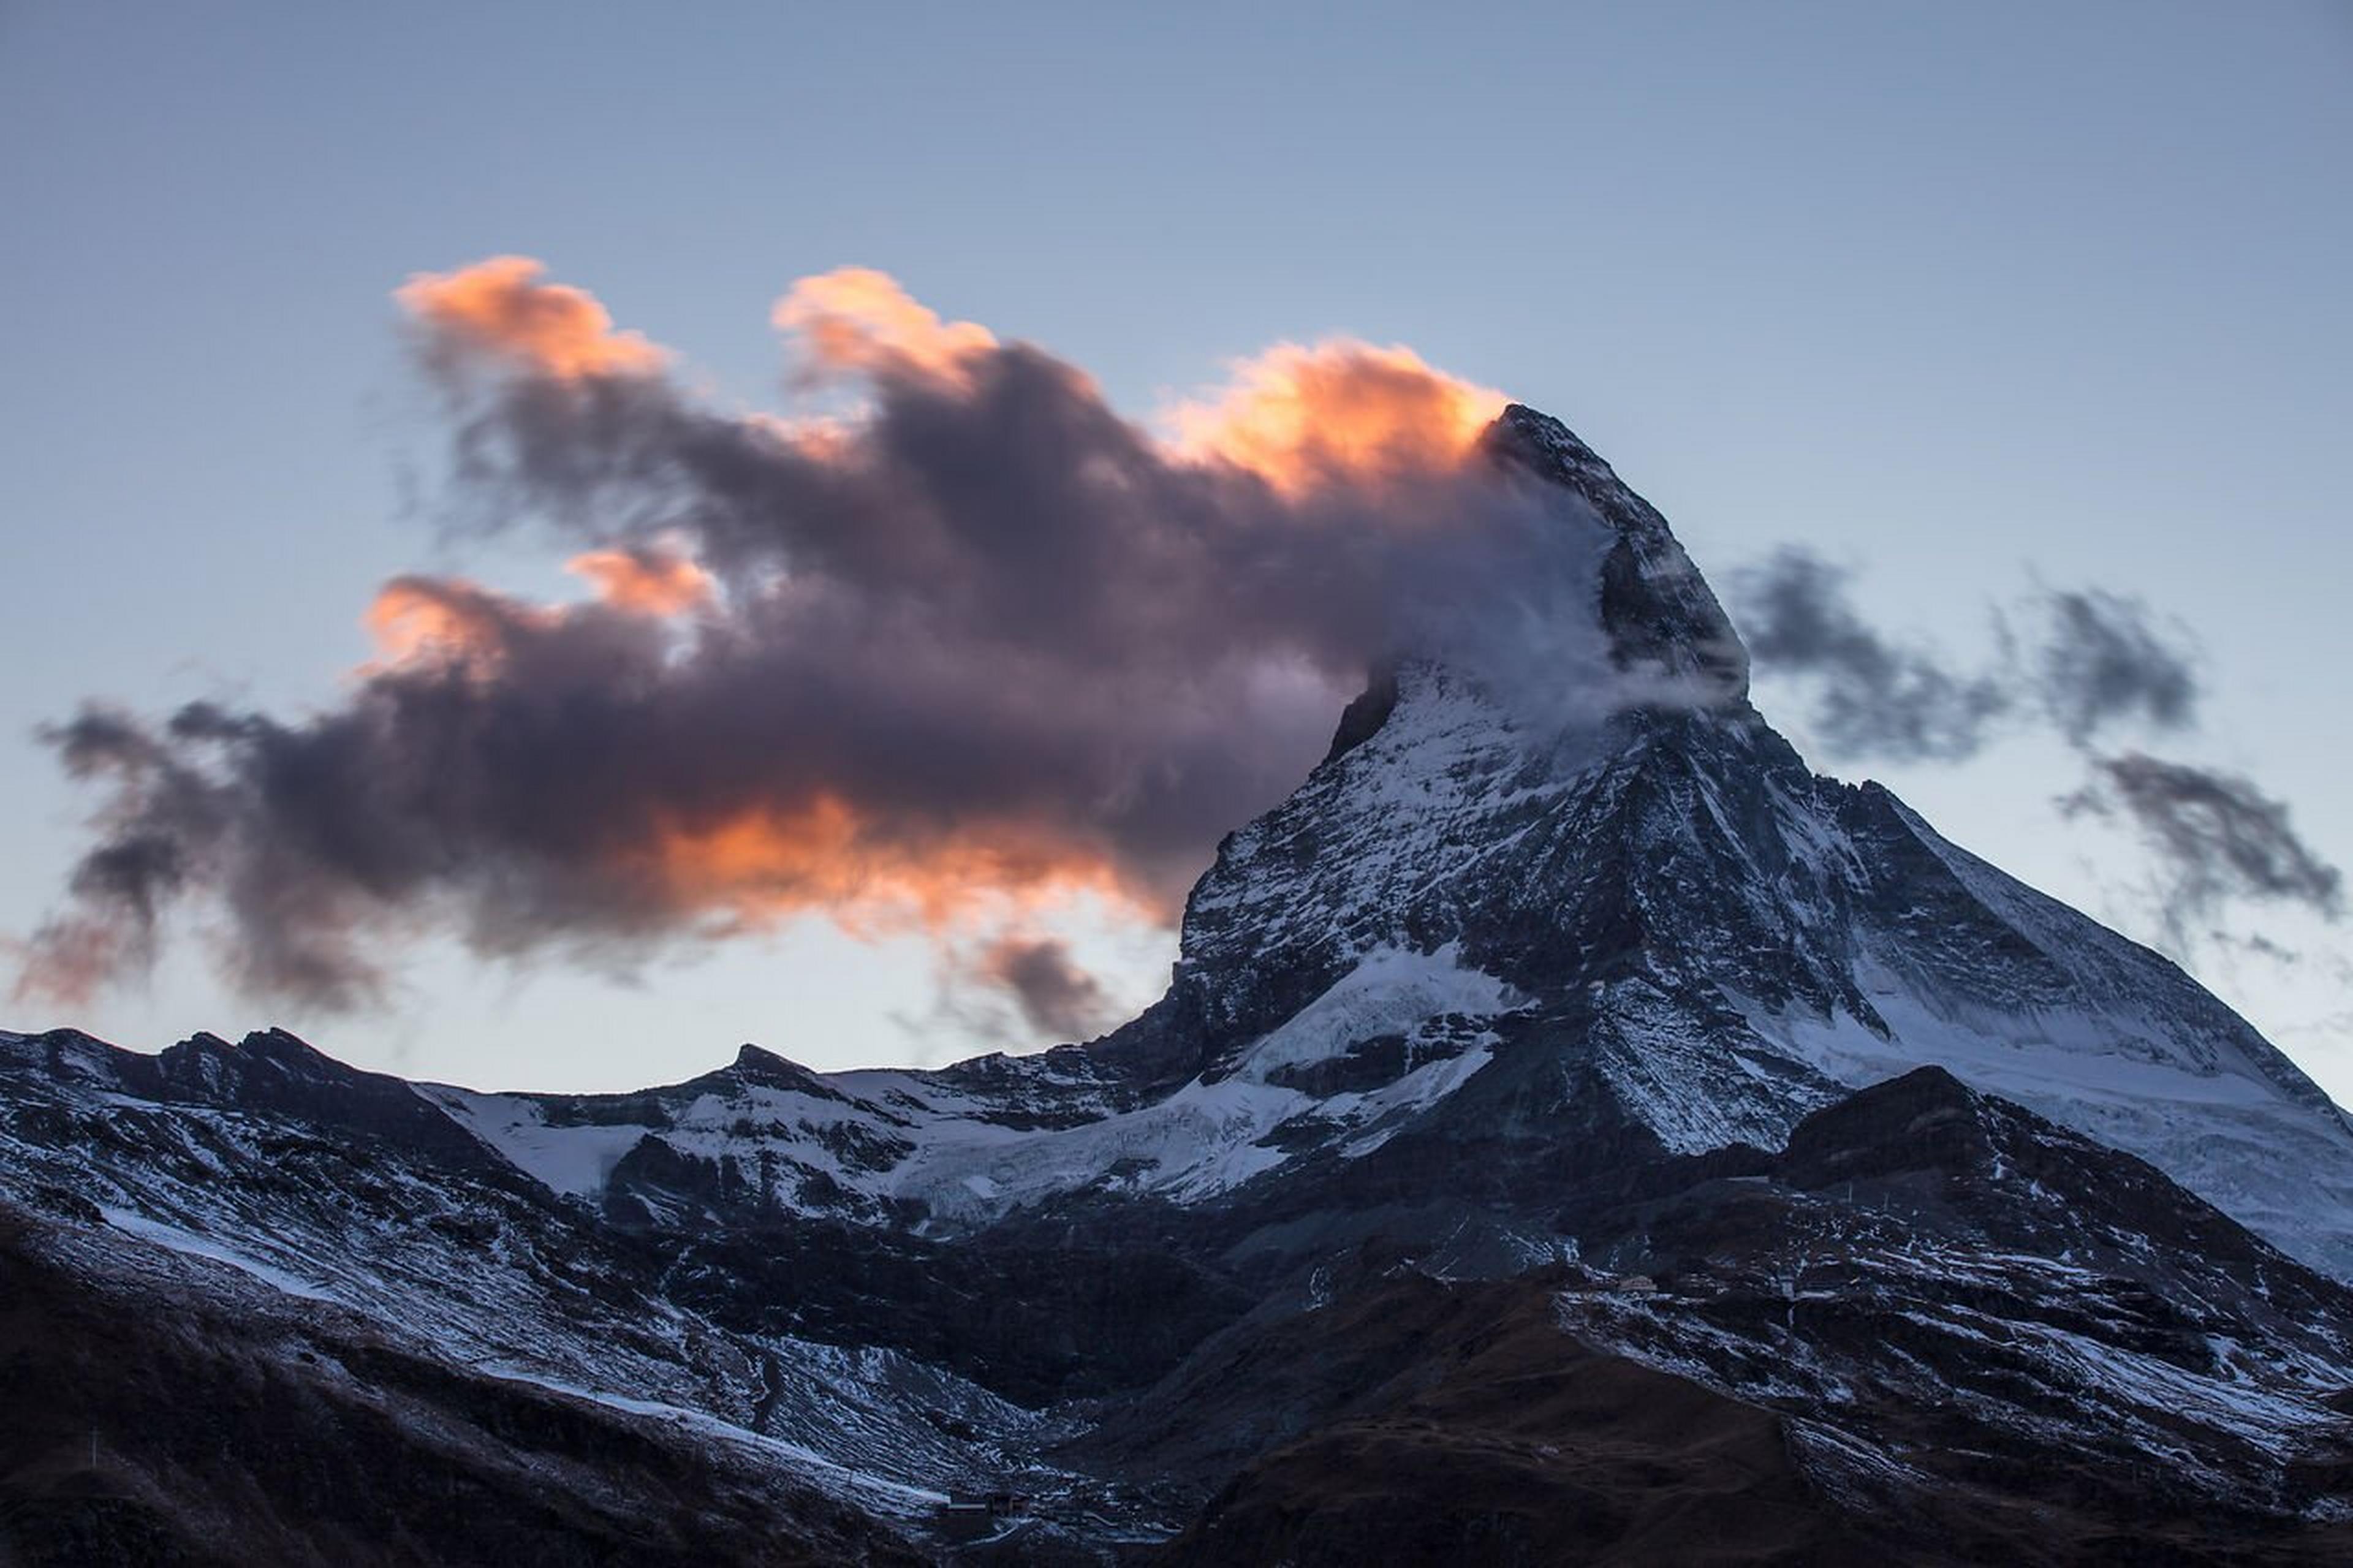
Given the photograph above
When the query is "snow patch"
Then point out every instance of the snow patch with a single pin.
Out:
(1390, 991)
(174, 1239)
(1209, 1137)
(573, 1160)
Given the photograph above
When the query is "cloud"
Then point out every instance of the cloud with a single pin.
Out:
(1302, 417)
(648, 579)
(1872, 695)
(445, 623)
(2219, 835)
(2093, 659)
(1058, 999)
(499, 307)
(968, 645)
(857, 321)
(120, 888)
(2102, 660)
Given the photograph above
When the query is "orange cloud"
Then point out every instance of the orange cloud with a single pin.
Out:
(1300, 416)
(646, 580)
(764, 862)
(70, 960)
(499, 306)
(855, 320)
(441, 620)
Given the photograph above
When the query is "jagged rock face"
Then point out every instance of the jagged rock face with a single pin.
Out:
(1970, 1300)
(1654, 603)
(1555, 863)
(1738, 940)
(1581, 1003)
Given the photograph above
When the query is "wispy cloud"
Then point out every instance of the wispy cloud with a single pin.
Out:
(2088, 661)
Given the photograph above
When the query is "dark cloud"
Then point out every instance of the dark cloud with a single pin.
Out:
(978, 639)
(1058, 999)
(2094, 658)
(1874, 697)
(2102, 660)
(120, 887)
(2089, 659)
(2217, 836)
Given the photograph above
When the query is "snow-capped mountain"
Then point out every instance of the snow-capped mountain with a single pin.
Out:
(1617, 1031)
(1667, 899)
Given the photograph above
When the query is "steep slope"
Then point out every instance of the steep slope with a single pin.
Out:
(1981, 1321)
(1440, 1423)
(162, 1409)
(1738, 940)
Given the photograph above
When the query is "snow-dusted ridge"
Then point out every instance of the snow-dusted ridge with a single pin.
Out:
(885, 1139)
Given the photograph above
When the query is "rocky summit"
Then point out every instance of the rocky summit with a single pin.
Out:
(1567, 1136)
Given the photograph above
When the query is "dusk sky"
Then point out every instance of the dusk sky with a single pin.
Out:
(1979, 303)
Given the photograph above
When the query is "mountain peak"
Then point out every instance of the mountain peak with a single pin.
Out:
(1654, 603)
(754, 1065)
(1717, 943)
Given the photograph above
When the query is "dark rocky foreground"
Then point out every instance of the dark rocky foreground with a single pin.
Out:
(1933, 1328)
(1594, 1141)
(153, 1417)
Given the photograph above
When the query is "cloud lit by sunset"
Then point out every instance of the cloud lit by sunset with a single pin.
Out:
(500, 306)
(1303, 416)
(765, 864)
(445, 622)
(859, 320)
(644, 580)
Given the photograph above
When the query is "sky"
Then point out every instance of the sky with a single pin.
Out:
(1971, 301)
